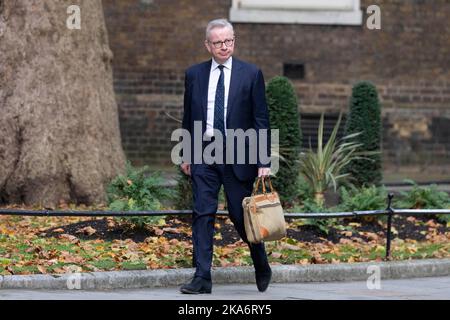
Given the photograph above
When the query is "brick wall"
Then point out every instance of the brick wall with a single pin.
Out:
(154, 41)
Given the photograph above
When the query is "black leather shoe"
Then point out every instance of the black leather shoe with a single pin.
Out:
(263, 280)
(196, 286)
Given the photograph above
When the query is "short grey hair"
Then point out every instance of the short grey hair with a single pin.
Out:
(218, 23)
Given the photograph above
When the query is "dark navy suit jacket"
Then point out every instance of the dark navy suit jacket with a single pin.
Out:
(247, 107)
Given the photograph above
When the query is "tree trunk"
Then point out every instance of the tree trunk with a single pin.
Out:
(59, 128)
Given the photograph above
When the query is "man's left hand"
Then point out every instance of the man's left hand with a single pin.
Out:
(263, 172)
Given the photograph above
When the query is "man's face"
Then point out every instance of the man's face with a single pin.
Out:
(223, 52)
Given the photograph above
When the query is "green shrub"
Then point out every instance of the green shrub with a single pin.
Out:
(284, 116)
(304, 189)
(183, 192)
(309, 205)
(422, 197)
(365, 117)
(137, 190)
(323, 225)
(363, 199)
(444, 218)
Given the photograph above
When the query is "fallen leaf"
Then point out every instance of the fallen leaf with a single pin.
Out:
(354, 224)
(431, 223)
(72, 269)
(372, 236)
(68, 257)
(289, 246)
(347, 233)
(165, 248)
(111, 224)
(224, 263)
(69, 237)
(171, 230)
(93, 268)
(59, 230)
(317, 259)
(42, 269)
(131, 256)
(151, 240)
(276, 255)
(411, 249)
(87, 230)
(152, 265)
(336, 261)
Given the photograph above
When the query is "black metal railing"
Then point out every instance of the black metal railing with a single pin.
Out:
(389, 212)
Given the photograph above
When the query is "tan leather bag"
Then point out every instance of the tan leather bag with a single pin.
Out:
(263, 214)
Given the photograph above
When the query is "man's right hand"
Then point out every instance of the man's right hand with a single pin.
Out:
(186, 168)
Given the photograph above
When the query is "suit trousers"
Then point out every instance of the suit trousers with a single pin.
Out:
(206, 182)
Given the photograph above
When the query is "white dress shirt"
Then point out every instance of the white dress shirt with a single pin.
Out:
(212, 86)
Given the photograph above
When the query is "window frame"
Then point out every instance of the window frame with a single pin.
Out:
(324, 12)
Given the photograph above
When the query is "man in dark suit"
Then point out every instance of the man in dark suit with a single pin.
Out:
(223, 94)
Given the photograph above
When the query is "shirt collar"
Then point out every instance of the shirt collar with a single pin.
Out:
(227, 64)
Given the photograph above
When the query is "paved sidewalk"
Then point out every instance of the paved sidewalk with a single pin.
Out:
(402, 289)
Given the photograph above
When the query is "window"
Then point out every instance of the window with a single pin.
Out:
(294, 71)
(343, 12)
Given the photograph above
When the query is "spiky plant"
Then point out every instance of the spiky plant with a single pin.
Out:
(323, 168)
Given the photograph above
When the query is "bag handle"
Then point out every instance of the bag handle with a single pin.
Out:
(270, 184)
(255, 189)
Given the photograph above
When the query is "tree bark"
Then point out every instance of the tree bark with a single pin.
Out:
(59, 127)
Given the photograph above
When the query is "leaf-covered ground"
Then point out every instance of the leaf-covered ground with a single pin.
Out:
(70, 244)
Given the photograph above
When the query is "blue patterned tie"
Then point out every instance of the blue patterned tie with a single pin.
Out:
(219, 104)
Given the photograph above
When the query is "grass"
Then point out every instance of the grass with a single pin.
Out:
(134, 266)
(105, 264)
